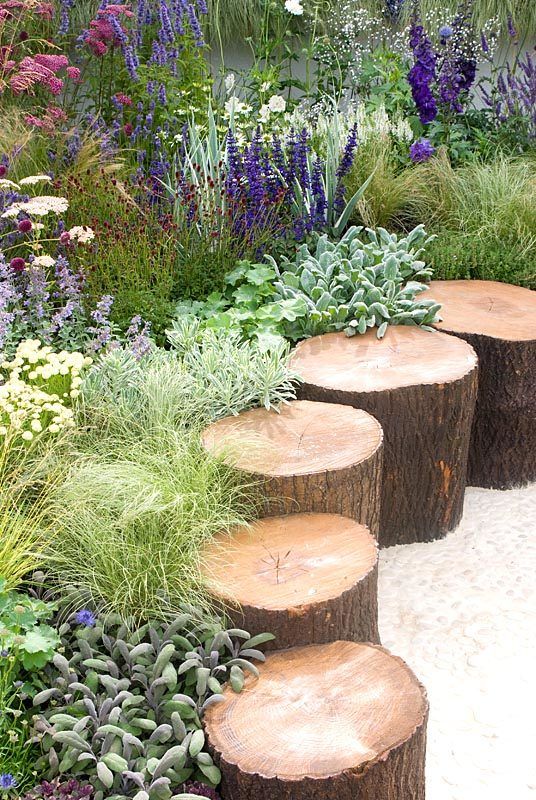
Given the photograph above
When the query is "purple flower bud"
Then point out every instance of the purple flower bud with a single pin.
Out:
(421, 150)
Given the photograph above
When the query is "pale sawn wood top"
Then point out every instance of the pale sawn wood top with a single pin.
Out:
(318, 711)
(303, 438)
(289, 561)
(406, 356)
(498, 310)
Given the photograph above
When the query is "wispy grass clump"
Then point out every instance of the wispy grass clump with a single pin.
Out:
(133, 522)
(493, 200)
(27, 474)
(142, 496)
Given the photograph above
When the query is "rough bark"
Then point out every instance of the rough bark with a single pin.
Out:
(340, 471)
(380, 693)
(353, 491)
(499, 321)
(427, 428)
(502, 453)
(306, 578)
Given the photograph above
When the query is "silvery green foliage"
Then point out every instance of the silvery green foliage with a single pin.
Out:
(206, 375)
(124, 708)
(357, 283)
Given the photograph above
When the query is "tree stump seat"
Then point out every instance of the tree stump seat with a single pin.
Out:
(306, 578)
(336, 721)
(306, 457)
(499, 321)
(421, 386)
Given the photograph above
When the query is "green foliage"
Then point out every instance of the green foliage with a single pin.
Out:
(386, 195)
(454, 255)
(136, 550)
(356, 284)
(27, 643)
(485, 200)
(24, 533)
(207, 375)
(351, 285)
(24, 632)
(134, 255)
(127, 706)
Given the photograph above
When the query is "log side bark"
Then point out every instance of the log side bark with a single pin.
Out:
(337, 469)
(427, 427)
(358, 719)
(502, 454)
(499, 322)
(306, 578)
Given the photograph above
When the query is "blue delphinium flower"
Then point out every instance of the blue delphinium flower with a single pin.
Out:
(85, 617)
(423, 73)
(421, 150)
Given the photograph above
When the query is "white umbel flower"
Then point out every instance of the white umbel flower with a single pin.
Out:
(43, 261)
(82, 234)
(38, 206)
(294, 7)
(32, 180)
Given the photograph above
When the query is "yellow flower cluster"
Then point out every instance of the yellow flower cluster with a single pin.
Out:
(38, 388)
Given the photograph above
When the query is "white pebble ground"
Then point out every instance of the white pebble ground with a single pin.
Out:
(462, 613)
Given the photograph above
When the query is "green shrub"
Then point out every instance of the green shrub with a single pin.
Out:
(134, 254)
(126, 707)
(453, 255)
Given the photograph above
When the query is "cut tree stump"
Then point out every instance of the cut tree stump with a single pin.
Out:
(335, 721)
(499, 321)
(306, 457)
(306, 578)
(421, 386)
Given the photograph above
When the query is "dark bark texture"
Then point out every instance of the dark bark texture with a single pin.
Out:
(353, 616)
(503, 440)
(427, 431)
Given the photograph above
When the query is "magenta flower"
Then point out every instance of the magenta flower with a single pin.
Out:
(24, 226)
(17, 264)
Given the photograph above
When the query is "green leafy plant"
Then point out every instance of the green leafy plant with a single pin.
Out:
(485, 200)
(27, 644)
(357, 284)
(24, 634)
(351, 285)
(128, 704)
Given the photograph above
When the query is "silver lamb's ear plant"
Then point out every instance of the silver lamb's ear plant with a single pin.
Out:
(126, 708)
(356, 283)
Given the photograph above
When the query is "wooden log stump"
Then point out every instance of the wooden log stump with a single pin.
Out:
(306, 457)
(306, 578)
(499, 321)
(336, 721)
(421, 386)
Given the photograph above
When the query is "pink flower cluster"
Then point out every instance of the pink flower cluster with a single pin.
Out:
(49, 121)
(40, 69)
(106, 30)
(8, 7)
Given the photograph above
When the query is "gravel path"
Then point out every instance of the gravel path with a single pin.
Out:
(462, 613)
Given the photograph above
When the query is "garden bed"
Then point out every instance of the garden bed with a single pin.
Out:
(222, 389)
